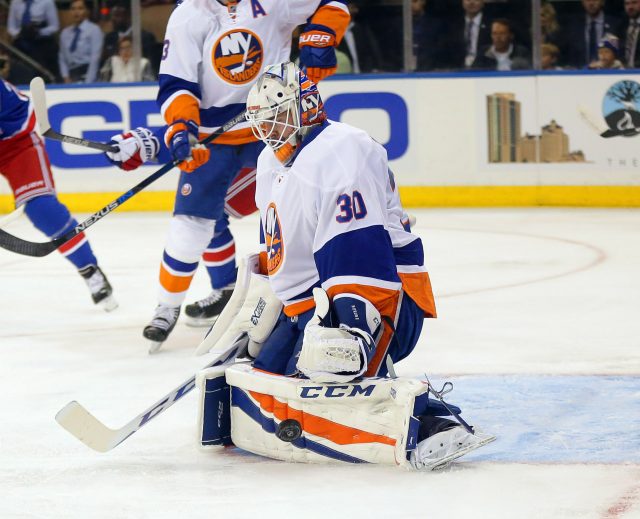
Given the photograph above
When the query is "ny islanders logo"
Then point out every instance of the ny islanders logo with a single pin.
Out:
(237, 56)
(273, 239)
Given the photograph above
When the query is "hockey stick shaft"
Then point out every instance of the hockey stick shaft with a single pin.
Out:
(94, 434)
(38, 249)
(39, 99)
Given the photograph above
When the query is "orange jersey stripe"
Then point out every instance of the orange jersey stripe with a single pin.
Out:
(262, 263)
(384, 299)
(184, 107)
(318, 426)
(299, 308)
(333, 17)
(173, 283)
(235, 137)
(418, 286)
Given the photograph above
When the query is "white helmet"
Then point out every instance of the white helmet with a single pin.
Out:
(274, 106)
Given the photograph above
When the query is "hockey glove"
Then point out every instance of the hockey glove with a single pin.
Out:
(182, 140)
(135, 148)
(332, 354)
(317, 52)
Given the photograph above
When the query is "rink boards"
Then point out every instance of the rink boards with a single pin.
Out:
(483, 139)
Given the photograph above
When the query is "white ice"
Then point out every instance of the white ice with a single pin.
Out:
(521, 293)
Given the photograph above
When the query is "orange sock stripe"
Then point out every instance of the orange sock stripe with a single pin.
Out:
(174, 284)
(318, 426)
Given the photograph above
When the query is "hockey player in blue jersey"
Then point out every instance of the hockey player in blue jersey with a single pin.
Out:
(25, 165)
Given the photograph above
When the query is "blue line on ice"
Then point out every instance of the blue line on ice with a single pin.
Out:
(552, 419)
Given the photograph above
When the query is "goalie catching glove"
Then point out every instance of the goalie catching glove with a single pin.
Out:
(338, 354)
(135, 148)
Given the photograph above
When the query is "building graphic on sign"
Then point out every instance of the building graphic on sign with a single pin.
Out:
(508, 144)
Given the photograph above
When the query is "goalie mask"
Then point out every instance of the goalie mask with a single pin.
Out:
(281, 107)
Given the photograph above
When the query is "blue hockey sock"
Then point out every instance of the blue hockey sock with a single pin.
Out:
(52, 218)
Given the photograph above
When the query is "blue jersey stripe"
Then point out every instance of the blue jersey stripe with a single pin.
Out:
(216, 116)
(14, 111)
(178, 266)
(410, 254)
(363, 252)
(169, 85)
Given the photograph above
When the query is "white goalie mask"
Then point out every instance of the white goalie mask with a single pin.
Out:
(281, 106)
(273, 105)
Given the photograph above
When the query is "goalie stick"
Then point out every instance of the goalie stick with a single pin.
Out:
(94, 434)
(39, 249)
(38, 96)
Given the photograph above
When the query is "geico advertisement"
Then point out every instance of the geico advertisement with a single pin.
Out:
(100, 112)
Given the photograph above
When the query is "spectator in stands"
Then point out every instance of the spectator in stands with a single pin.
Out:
(503, 53)
(549, 56)
(629, 34)
(585, 32)
(426, 36)
(33, 25)
(121, 26)
(608, 50)
(549, 26)
(465, 36)
(120, 69)
(14, 71)
(80, 46)
(359, 42)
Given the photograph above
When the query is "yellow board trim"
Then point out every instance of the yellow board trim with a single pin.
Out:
(412, 196)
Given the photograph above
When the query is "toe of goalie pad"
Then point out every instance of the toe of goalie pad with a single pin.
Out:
(298, 420)
(214, 421)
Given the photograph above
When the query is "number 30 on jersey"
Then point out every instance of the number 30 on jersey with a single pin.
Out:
(351, 206)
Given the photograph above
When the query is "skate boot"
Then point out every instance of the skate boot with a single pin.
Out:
(206, 311)
(99, 287)
(157, 331)
(448, 441)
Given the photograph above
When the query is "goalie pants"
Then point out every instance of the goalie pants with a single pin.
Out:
(279, 353)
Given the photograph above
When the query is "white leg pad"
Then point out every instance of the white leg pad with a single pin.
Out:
(299, 420)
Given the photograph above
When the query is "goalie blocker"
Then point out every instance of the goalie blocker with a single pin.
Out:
(373, 420)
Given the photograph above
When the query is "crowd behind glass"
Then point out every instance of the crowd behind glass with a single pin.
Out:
(81, 42)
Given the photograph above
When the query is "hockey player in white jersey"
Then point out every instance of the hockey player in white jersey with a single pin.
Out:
(343, 294)
(214, 50)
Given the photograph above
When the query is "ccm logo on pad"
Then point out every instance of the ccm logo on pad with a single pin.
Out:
(336, 391)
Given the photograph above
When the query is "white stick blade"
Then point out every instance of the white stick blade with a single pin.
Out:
(6, 220)
(86, 427)
(39, 99)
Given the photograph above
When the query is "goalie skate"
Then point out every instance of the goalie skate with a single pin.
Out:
(206, 311)
(438, 451)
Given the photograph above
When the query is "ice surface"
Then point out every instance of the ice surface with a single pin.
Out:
(538, 328)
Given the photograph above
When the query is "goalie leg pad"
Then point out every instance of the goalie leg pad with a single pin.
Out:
(214, 420)
(298, 420)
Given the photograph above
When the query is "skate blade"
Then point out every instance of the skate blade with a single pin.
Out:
(482, 439)
(200, 322)
(108, 304)
(154, 346)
